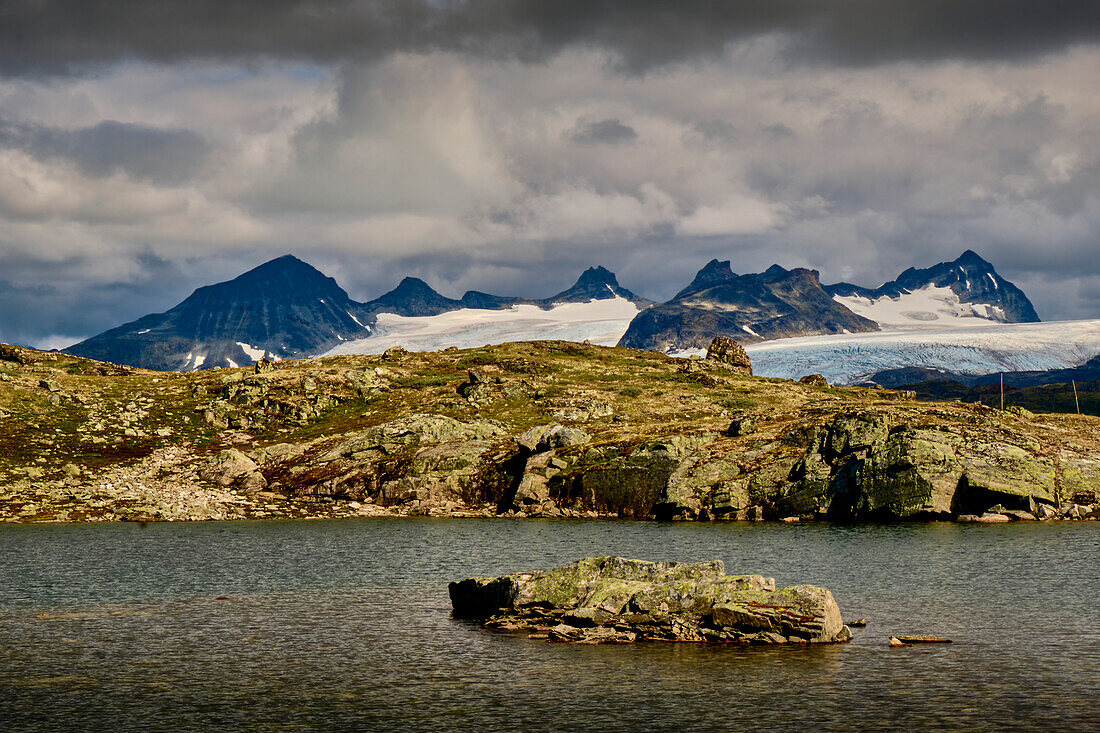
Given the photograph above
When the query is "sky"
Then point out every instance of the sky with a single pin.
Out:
(148, 148)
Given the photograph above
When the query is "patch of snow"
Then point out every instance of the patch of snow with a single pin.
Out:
(986, 349)
(919, 308)
(252, 351)
(199, 361)
(688, 353)
(599, 321)
(749, 330)
(147, 330)
(231, 362)
(358, 321)
(993, 280)
(322, 301)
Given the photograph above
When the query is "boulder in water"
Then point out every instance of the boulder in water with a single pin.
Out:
(616, 600)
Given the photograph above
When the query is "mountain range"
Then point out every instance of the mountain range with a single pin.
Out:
(287, 309)
(780, 303)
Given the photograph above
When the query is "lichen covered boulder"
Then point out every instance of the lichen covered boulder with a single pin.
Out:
(727, 351)
(615, 600)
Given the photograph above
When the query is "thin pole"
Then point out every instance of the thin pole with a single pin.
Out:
(1002, 392)
(1075, 401)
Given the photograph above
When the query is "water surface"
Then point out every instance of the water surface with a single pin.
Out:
(345, 624)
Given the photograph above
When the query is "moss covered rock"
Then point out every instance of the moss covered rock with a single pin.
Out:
(612, 599)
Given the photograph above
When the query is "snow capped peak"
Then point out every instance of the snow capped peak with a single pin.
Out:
(964, 291)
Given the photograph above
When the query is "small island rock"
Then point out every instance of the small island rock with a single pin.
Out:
(616, 600)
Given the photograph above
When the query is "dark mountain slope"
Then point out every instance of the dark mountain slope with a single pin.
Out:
(284, 308)
(774, 304)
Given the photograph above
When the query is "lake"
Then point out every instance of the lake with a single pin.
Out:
(345, 624)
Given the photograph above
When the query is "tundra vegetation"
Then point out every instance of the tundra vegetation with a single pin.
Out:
(544, 429)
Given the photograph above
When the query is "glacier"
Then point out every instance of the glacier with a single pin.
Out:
(601, 322)
(930, 306)
(982, 349)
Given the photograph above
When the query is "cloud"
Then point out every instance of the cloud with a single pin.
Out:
(736, 215)
(73, 36)
(605, 132)
(122, 190)
(157, 155)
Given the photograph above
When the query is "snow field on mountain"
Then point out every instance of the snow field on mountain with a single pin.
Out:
(928, 307)
(601, 322)
(987, 349)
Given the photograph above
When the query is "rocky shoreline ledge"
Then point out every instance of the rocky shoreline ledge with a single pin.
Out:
(614, 600)
(537, 429)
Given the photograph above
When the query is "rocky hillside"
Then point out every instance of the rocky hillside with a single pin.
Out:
(524, 429)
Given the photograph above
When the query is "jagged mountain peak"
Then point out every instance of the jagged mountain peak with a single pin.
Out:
(970, 257)
(775, 272)
(410, 284)
(965, 290)
(598, 275)
(776, 303)
(595, 283)
(715, 271)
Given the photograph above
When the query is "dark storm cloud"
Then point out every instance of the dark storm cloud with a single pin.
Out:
(606, 132)
(65, 36)
(55, 295)
(156, 155)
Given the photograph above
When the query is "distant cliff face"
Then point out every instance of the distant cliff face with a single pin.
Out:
(774, 304)
(284, 308)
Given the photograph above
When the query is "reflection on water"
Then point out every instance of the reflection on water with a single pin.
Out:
(332, 624)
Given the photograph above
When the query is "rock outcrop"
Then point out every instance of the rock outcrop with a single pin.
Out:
(616, 600)
(727, 351)
(861, 468)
